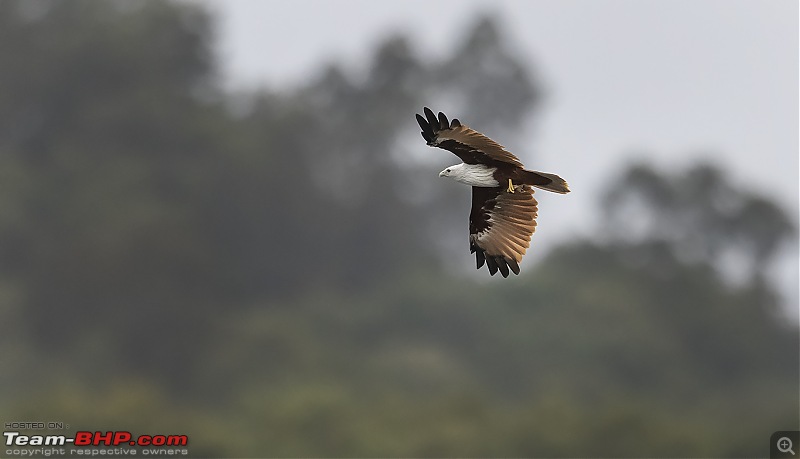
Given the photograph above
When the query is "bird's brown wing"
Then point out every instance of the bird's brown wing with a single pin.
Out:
(500, 226)
(469, 145)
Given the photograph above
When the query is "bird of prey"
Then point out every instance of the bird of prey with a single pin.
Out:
(503, 216)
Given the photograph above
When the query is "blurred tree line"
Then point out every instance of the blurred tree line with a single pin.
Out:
(259, 270)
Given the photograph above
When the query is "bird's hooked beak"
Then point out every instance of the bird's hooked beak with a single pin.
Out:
(443, 173)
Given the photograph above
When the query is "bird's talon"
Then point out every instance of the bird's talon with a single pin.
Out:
(510, 188)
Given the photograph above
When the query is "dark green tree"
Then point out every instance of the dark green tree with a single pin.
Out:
(699, 214)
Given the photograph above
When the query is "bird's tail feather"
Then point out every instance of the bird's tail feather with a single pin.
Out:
(545, 181)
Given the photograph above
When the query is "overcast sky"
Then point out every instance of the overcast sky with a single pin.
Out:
(665, 81)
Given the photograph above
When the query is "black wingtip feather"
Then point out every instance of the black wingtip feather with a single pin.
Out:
(422, 122)
(443, 123)
(492, 265)
(427, 130)
(455, 123)
(432, 120)
(480, 259)
(501, 264)
(504, 265)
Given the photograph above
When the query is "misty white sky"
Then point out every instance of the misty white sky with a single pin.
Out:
(664, 81)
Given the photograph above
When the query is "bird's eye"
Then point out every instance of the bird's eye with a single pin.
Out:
(448, 170)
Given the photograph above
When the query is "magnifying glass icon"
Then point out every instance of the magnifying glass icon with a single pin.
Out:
(785, 445)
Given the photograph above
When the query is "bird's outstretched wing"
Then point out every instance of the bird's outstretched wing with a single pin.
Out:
(469, 145)
(500, 227)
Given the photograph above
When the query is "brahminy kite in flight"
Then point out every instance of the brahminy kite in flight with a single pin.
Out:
(503, 216)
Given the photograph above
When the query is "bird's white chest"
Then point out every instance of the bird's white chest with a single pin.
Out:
(477, 175)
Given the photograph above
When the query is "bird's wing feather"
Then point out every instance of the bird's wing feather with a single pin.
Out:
(500, 226)
(469, 145)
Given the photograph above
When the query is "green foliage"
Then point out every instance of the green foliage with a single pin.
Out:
(176, 259)
(700, 214)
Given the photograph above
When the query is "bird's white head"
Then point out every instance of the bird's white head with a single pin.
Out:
(454, 172)
(471, 174)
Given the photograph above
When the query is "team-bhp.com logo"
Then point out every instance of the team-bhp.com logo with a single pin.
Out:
(85, 443)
